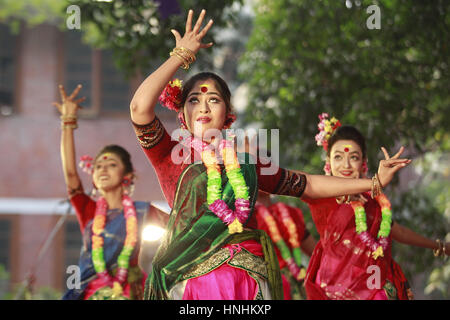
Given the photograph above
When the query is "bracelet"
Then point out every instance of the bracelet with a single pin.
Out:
(185, 55)
(68, 117)
(376, 186)
(440, 250)
(69, 124)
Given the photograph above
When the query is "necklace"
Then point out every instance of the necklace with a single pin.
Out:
(233, 219)
(376, 246)
(293, 262)
(123, 260)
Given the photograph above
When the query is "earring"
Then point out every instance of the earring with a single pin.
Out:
(182, 121)
(365, 169)
(128, 186)
(327, 169)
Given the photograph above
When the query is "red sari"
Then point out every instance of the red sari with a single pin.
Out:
(341, 266)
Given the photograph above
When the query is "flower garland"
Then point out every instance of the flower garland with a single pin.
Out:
(326, 129)
(98, 227)
(233, 219)
(376, 246)
(293, 263)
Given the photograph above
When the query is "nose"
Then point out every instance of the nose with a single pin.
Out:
(347, 162)
(204, 106)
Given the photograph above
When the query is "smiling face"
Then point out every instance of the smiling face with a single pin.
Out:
(204, 108)
(346, 159)
(108, 172)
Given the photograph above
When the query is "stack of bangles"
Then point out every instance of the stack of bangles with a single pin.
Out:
(69, 121)
(440, 251)
(185, 55)
(376, 186)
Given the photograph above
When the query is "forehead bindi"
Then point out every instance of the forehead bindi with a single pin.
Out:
(346, 147)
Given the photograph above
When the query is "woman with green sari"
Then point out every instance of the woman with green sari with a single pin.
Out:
(212, 249)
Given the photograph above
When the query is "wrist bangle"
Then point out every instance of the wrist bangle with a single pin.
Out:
(441, 248)
(376, 187)
(186, 56)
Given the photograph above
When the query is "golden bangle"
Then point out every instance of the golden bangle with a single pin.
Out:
(185, 64)
(441, 248)
(185, 55)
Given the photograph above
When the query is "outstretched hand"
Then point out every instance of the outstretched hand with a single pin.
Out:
(69, 105)
(390, 166)
(192, 38)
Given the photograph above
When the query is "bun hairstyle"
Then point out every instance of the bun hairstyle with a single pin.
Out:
(347, 133)
(122, 153)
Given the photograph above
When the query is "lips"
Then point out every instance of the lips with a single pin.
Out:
(203, 119)
(346, 173)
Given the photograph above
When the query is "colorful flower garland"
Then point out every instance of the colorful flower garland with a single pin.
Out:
(326, 129)
(98, 227)
(376, 246)
(233, 219)
(293, 262)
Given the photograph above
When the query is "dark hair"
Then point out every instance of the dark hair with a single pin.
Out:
(221, 85)
(122, 153)
(347, 133)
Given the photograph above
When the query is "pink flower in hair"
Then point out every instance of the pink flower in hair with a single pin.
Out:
(86, 164)
(326, 129)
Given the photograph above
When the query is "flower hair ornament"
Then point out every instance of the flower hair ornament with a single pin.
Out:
(171, 99)
(326, 129)
(86, 164)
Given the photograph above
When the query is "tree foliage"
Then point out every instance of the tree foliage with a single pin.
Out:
(138, 31)
(306, 57)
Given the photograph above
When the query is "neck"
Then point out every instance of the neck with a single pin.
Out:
(113, 198)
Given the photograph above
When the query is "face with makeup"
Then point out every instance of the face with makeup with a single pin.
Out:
(108, 172)
(204, 109)
(346, 159)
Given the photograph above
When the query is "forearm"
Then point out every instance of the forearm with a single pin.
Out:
(68, 159)
(319, 186)
(407, 236)
(142, 106)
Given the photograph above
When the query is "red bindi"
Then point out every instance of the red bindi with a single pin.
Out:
(204, 89)
(346, 149)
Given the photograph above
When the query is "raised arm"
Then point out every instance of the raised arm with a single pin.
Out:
(68, 109)
(142, 106)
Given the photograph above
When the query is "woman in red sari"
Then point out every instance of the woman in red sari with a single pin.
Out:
(344, 265)
(199, 258)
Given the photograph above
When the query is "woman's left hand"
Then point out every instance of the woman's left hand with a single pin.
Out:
(390, 166)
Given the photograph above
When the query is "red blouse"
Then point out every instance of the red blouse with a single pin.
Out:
(158, 145)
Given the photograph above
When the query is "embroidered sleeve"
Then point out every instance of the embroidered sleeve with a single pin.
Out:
(290, 184)
(149, 135)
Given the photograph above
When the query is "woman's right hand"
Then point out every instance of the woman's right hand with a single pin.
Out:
(69, 105)
(192, 38)
(388, 167)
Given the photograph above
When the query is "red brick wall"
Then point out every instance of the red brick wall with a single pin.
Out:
(30, 160)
